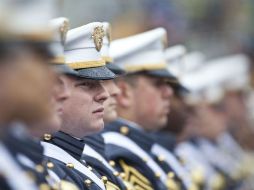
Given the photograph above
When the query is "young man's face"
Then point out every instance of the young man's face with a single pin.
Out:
(83, 111)
(110, 113)
(151, 101)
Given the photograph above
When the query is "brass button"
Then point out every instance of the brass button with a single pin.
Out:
(90, 168)
(70, 165)
(145, 159)
(116, 173)
(44, 186)
(182, 161)
(47, 137)
(104, 179)
(161, 158)
(171, 174)
(122, 175)
(30, 175)
(39, 168)
(50, 165)
(112, 163)
(64, 185)
(158, 175)
(88, 182)
(124, 130)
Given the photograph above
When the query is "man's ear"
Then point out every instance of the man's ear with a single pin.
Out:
(125, 98)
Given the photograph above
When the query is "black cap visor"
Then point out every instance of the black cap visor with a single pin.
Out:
(96, 73)
(65, 69)
(115, 69)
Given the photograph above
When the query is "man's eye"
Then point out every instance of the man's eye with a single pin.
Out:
(86, 84)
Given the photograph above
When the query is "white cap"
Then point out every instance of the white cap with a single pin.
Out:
(83, 46)
(141, 52)
(28, 19)
(174, 56)
(193, 60)
(217, 75)
(60, 27)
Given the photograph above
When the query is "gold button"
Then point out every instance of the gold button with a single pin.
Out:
(124, 130)
(30, 175)
(158, 175)
(63, 185)
(39, 168)
(104, 179)
(50, 165)
(47, 137)
(145, 159)
(112, 163)
(88, 182)
(182, 161)
(70, 165)
(122, 175)
(90, 168)
(116, 173)
(161, 158)
(171, 174)
(44, 186)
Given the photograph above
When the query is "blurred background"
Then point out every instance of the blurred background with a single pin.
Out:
(217, 27)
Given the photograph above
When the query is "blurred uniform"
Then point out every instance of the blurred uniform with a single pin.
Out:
(26, 35)
(217, 167)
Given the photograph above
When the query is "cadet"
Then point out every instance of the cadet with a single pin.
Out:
(83, 111)
(26, 106)
(163, 148)
(144, 103)
(94, 150)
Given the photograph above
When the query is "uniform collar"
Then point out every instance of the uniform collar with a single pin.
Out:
(132, 131)
(68, 143)
(96, 142)
(18, 141)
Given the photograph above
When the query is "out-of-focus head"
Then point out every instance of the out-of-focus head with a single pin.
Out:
(145, 92)
(60, 91)
(24, 57)
(180, 63)
(208, 86)
(110, 113)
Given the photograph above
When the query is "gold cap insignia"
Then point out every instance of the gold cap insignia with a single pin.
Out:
(63, 30)
(97, 36)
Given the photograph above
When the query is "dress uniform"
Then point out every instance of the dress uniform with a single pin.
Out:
(128, 145)
(26, 151)
(82, 53)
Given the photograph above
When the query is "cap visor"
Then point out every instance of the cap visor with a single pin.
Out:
(173, 81)
(161, 73)
(62, 68)
(96, 73)
(115, 69)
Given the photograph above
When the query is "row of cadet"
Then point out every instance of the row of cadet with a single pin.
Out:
(78, 111)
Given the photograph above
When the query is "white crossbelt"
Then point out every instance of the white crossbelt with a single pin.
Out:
(55, 152)
(123, 141)
(13, 173)
(91, 152)
(171, 160)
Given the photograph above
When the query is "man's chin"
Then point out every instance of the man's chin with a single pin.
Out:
(98, 126)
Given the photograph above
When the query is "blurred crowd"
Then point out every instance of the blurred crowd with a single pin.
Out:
(165, 104)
